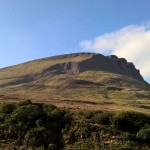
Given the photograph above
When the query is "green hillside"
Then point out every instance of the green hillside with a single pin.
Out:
(64, 81)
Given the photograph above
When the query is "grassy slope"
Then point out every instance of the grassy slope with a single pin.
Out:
(35, 66)
(107, 91)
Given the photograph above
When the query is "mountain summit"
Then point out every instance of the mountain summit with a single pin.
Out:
(77, 78)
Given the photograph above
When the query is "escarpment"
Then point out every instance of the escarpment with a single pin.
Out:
(97, 62)
(75, 63)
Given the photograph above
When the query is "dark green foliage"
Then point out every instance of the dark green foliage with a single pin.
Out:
(97, 117)
(26, 113)
(36, 125)
(130, 121)
(48, 108)
(7, 108)
(88, 114)
(42, 127)
(103, 118)
(129, 137)
(144, 134)
(34, 137)
(26, 102)
(95, 130)
(51, 147)
(67, 119)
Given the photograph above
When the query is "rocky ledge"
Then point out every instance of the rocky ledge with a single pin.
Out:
(96, 62)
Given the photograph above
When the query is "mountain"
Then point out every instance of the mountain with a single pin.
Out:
(78, 80)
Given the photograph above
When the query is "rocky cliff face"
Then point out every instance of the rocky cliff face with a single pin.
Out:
(96, 62)
(92, 61)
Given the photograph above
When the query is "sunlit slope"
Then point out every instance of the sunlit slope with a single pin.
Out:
(37, 66)
(64, 81)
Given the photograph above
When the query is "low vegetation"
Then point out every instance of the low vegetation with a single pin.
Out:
(29, 125)
(38, 126)
(99, 130)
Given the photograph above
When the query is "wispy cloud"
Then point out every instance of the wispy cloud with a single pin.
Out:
(131, 42)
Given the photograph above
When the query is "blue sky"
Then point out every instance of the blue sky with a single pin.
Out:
(31, 29)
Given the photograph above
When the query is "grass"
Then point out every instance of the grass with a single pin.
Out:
(107, 91)
(36, 66)
(73, 97)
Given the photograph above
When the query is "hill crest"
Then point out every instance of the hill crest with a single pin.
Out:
(74, 63)
(96, 62)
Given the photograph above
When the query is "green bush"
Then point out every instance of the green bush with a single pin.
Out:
(2, 117)
(130, 121)
(47, 108)
(7, 108)
(37, 124)
(144, 135)
(51, 147)
(67, 119)
(103, 118)
(26, 113)
(128, 137)
(34, 137)
(25, 102)
(88, 114)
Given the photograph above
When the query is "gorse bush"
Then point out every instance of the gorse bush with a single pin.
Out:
(35, 137)
(26, 102)
(26, 113)
(103, 118)
(98, 117)
(129, 137)
(36, 125)
(7, 108)
(48, 108)
(130, 121)
(144, 134)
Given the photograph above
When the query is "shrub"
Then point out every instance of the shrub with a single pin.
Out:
(88, 114)
(48, 108)
(144, 135)
(34, 137)
(51, 147)
(103, 118)
(26, 113)
(129, 137)
(39, 126)
(67, 119)
(2, 117)
(7, 108)
(130, 121)
(25, 102)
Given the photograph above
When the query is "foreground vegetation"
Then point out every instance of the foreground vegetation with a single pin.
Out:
(37, 126)
(27, 125)
(97, 130)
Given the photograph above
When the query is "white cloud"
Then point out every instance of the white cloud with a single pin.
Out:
(131, 42)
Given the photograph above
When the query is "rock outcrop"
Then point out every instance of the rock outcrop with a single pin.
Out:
(86, 62)
(96, 62)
